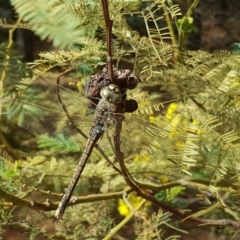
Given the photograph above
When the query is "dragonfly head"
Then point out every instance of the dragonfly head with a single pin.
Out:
(111, 93)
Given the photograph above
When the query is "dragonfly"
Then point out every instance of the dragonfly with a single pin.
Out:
(110, 104)
(47, 107)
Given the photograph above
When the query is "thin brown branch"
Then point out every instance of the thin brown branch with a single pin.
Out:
(95, 222)
(49, 206)
(219, 222)
(109, 24)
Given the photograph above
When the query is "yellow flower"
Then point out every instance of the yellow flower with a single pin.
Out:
(139, 158)
(171, 110)
(152, 119)
(134, 201)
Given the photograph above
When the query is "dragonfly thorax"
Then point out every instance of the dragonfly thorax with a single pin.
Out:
(104, 112)
(105, 107)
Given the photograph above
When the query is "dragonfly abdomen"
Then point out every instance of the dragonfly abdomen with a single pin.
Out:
(95, 134)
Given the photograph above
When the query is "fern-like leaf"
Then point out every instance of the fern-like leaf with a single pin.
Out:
(59, 143)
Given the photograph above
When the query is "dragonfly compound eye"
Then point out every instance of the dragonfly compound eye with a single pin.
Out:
(111, 93)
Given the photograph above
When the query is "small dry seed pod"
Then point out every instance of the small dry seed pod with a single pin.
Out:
(74, 199)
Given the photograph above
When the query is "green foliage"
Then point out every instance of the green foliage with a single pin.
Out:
(12, 70)
(58, 143)
(173, 192)
(48, 22)
(94, 215)
(236, 47)
(186, 25)
(170, 195)
(8, 172)
(157, 223)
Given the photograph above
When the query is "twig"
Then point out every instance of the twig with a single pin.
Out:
(187, 181)
(25, 194)
(96, 221)
(23, 202)
(109, 24)
(169, 24)
(11, 199)
(136, 213)
(188, 14)
(10, 43)
(219, 222)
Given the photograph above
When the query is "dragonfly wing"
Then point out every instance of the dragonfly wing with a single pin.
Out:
(143, 141)
(39, 110)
